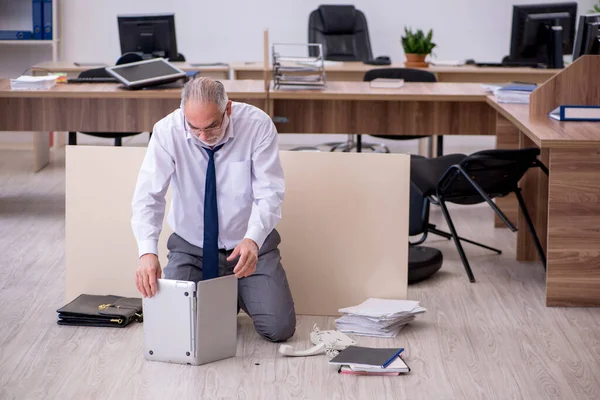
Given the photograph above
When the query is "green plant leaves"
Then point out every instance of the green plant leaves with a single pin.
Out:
(417, 42)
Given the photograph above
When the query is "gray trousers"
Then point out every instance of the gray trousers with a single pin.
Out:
(265, 295)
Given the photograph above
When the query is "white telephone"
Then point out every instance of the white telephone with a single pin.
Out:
(329, 342)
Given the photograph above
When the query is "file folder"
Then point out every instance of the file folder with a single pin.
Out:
(15, 35)
(37, 19)
(576, 113)
(47, 19)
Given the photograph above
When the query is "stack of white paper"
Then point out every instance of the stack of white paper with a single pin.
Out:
(378, 317)
(26, 82)
(510, 96)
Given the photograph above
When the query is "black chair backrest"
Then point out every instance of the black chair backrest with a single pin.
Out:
(129, 58)
(343, 32)
(95, 73)
(178, 58)
(408, 74)
(496, 172)
(101, 72)
(418, 211)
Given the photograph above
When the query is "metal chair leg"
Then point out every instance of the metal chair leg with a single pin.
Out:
(462, 239)
(459, 247)
(484, 195)
(72, 138)
(529, 222)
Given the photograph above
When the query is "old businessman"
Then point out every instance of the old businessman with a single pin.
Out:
(221, 159)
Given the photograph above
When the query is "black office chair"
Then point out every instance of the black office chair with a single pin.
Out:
(342, 30)
(178, 58)
(422, 261)
(343, 33)
(482, 176)
(409, 75)
(101, 73)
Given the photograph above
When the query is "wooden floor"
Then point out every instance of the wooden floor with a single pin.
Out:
(493, 339)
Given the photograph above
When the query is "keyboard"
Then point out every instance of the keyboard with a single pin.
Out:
(509, 64)
(94, 80)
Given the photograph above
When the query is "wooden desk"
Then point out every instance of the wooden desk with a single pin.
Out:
(355, 108)
(97, 108)
(69, 67)
(354, 71)
(104, 107)
(348, 71)
(565, 209)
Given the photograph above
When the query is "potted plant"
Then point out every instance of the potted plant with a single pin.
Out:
(417, 46)
(595, 8)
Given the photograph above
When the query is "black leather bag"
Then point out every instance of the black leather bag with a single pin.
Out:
(102, 311)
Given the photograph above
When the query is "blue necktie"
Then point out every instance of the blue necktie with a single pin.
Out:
(210, 249)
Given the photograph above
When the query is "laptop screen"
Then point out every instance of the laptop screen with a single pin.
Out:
(146, 71)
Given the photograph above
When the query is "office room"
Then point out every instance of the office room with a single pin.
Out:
(304, 200)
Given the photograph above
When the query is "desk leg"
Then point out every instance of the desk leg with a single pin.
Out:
(507, 137)
(534, 187)
(41, 149)
(573, 277)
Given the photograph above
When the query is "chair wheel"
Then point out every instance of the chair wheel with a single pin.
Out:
(423, 262)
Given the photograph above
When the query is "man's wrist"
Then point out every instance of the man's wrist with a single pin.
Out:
(256, 235)
(253, 243)
(146, 255)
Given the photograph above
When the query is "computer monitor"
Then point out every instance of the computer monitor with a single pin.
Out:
(542, 33)
(150, 36)
(587, 40)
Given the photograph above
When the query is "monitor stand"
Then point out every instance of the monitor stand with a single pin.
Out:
(555, 54)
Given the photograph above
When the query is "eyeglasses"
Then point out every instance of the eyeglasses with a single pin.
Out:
(208, 131)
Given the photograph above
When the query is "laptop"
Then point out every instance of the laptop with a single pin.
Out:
(146, 73)
(191, 323)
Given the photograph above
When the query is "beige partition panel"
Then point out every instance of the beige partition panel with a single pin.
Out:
(344, 227)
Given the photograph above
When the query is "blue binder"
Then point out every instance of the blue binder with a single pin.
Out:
(47, 18)
(37, 19)
(576, 113)
(15, 35)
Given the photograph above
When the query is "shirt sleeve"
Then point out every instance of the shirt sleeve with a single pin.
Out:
(149, 197)
(267, 185)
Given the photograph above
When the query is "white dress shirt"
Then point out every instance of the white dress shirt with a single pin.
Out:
(249, 175)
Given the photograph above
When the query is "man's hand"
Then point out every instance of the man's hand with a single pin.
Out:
(148, 271)
(247, 250)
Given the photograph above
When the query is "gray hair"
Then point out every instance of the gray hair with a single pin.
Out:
(205, 90)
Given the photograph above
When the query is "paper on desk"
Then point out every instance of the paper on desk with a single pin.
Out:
(27, 82)
(448, 63)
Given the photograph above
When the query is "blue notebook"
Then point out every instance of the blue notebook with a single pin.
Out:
(366, 356)
(520, 87)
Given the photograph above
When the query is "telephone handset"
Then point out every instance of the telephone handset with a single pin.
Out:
(329, 342)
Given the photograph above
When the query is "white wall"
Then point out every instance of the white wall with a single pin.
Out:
(229, 31)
